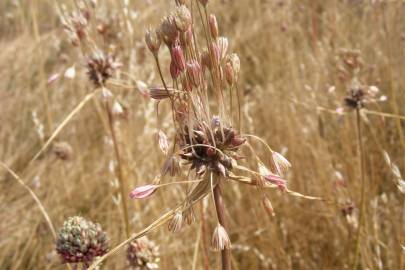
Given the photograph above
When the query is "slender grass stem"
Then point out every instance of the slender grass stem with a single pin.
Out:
(121, 178)
(362, 195)
(220, 209)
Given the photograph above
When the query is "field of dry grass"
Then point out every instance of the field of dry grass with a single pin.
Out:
(297, 60)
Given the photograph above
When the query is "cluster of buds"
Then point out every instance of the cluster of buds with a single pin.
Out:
(80, 240)
(100, 67)
(210, 149)
(75, 26)
(359, 95)
(143, 254)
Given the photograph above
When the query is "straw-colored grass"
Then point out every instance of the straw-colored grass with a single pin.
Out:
(291, 86)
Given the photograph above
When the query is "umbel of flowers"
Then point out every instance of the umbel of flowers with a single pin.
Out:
(80, 240)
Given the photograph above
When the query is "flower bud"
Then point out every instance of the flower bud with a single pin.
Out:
(233, 60)
(182, 18)
(212, 21)
(229, 74)
(206, 59)
(178, 57)
(142, 192)
(174, 70)
(194, 72)
(153, 40)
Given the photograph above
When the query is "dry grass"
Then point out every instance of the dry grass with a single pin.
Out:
(289, 72)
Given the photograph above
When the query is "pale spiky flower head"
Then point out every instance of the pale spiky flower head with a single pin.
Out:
(143, 254)
(182, 18)
(80, 240)
(220, 238)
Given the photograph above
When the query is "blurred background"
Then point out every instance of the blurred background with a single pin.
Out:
(293, 78)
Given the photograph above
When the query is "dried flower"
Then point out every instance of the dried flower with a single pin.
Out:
(182, 18)
(220, 238)
(143, 254)
(100, 67)
(153, 41)
(80, 240)
(281, 163)
(169, 30)
(176, 222)
(171, 166)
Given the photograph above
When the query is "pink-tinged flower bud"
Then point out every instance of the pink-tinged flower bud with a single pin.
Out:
(143, 191)
(174, 70)
(210, 151)
(229, 74)
(169, 31)
(223, 46)
(276, 180)
(203, 2)
(206, 59)
(215, 54)
(212, 21)
(194, 72)
(153, 41)
(182, 18)
(178, 57)
(233, 60)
